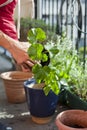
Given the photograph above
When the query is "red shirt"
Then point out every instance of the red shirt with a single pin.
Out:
(7, 24)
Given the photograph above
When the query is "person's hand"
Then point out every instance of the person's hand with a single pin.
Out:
(20, 55)
(27, 65)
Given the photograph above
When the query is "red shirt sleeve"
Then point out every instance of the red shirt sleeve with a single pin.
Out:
(2, 1)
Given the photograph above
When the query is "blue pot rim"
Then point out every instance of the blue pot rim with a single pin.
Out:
(31, 81)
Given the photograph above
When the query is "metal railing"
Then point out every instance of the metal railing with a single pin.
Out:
(65, 15)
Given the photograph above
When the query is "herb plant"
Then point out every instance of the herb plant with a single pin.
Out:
(54, 60)
(80, 85)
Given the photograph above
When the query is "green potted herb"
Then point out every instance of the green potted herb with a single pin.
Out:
(76, 96)
(51, 72)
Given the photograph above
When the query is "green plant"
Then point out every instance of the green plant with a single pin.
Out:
(54, 60)
(80, 86)
(78, 78)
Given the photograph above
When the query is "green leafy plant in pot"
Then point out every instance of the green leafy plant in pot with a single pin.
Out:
(48, 76)
(76, 95)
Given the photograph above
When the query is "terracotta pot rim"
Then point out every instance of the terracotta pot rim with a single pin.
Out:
(16, 75)
(60, 122)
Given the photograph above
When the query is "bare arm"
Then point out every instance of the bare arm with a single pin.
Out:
(16, 48)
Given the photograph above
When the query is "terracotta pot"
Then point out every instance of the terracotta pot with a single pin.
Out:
(13, 82)
(72, 120)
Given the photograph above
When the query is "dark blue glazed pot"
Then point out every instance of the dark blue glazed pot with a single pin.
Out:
(39, 104)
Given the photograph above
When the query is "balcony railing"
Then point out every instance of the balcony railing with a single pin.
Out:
(65, 15)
